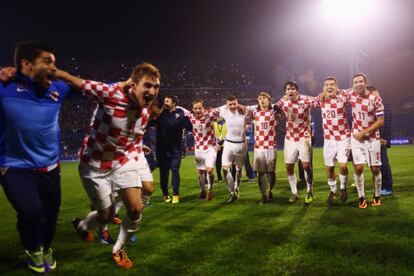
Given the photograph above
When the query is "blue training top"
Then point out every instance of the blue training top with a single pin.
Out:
(29, 127)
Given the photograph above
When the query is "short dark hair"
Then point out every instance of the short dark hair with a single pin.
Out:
(145, 69)
(231, 98)
(331, 78)
(172, 98)
(291, 83)
(360, 75)
(29, 50)
(371, 88)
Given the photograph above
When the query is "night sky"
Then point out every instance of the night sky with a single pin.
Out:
(263, 34)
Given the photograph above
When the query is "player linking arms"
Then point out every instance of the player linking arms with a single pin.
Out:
(111, 151)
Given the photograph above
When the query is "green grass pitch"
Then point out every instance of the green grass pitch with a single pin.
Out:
(213, 238)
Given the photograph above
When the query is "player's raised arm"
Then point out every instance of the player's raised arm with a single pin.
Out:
(7, 73)
(72, 80)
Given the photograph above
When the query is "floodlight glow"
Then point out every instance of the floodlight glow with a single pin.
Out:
(352, 10)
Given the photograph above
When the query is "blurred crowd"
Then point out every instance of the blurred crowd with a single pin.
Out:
(187, 80)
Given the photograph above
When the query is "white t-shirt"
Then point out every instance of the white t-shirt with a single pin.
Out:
(236, 124)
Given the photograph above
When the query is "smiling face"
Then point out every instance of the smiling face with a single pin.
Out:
(330, 87)
(359, 84)
(145, 90)
(42, 70)
(232, 105)
(198, 109)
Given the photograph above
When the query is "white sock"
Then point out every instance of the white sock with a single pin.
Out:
(118, 205)
(360, 185)
(103, 228)
(332, 184)
(89, 222)
(293, 184)
(308, 182)
(210, 181)
(230, 181)
(377, 184)
(128, 229)
(343, 179)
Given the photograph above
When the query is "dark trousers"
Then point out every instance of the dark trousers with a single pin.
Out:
(385, 170)
(218, 164)
(248, 167)
(166, 164)
(36, 197)
(151, 161)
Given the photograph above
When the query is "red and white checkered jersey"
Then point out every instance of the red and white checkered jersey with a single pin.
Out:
(334, 117)
(365, 110)
(297, 115)
(116, 129)
(203, 129)
(265, 123)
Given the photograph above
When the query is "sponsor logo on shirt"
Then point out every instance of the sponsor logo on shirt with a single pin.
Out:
(21, 88)
(54, 95)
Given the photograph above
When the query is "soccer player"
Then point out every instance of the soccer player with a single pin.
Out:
(205, 145)
(296, 108)
(385, 134)
(367, 118)
(264, 162)
(29, 149)
(235, 146)
(111, 152)
(170, 125)
(337, 137)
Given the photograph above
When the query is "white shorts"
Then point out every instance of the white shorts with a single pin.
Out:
(205, 159)
(294, 150)
(336, 151)
(264, 160)
(101, 185)
(366, 152)
(234, 152)
(144, 170)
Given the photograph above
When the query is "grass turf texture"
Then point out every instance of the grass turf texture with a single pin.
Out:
(199, 237)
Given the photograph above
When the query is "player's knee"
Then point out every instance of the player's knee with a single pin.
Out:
(148, 188)
(209, 170)
(105, 216)
(358, 169)
(290, 168)
(134, 211)
(343, 169)
(375, 170)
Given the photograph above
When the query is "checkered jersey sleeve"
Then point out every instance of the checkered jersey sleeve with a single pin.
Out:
(379, 107)
(188, 114)
(98, 89)
(347, 93)
(279, 107)
(213, 112)
(312, 101)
